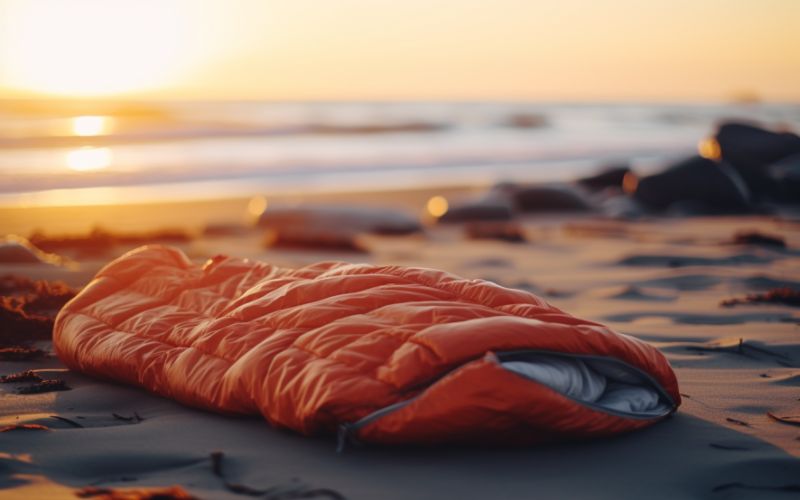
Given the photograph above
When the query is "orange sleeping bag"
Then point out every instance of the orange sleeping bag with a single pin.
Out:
(384, 354)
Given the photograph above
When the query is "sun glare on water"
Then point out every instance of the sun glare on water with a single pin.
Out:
(89, 159)
(90, 47)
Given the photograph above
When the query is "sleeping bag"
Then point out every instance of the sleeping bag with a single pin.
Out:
(383, 354)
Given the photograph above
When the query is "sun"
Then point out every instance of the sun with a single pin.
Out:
(91, 47)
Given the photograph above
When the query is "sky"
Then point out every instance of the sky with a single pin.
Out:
(585, 50)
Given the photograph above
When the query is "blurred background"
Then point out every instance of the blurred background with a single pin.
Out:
(140, 101)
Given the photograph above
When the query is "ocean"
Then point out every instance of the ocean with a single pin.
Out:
(107, 152)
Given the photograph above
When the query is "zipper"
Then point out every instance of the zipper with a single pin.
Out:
(346, 432)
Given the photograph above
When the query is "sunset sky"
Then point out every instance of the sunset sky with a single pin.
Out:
(410, 49)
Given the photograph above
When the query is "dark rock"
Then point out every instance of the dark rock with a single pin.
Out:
(694, 186)
(610, 177)
(785, 176)
(355, 219)
(750, 149)
(314, 238)
(561, 198)
(487, 209)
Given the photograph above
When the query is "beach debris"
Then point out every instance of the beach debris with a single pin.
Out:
(26, 376)
(135, 417)
(788, 420)
(294, 490)
(504, 231)
(751, 149)
(695, 186)
(20, 353)
(18, 250)
(24, 427)
(785, 295)
(99, 242)
(610, 177)
(164, 493)
(761, 239)
(738, 422)
(743, 486)
(335, 218)
(20, 327)
(49, 385)
(28, 308)
(68, 421)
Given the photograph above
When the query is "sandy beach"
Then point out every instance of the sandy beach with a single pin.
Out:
(413, 250)
(659, 279)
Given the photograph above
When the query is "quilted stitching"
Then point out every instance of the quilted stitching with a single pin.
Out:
(309, 348)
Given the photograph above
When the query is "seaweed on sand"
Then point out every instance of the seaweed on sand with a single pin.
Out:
(50, 385)
(786, 295)
(29, 307)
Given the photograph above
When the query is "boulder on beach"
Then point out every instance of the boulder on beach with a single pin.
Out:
(544, 198)
(611, 176)
(751, 149)
(694, 186)
(314, 238)
(356, 219)
(785, 175)
(489, 208)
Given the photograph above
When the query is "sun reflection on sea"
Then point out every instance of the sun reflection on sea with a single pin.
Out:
(88, 159)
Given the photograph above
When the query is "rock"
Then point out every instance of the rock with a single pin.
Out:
(546, 198)
(609, 177)
(622, 207)
(750, 149)
(694, 186)
(490, 208)
(785, 175)
(314, 238)
(355, 219)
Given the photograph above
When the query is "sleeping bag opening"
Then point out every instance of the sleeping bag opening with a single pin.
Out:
(604, 384)
(601, 383)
